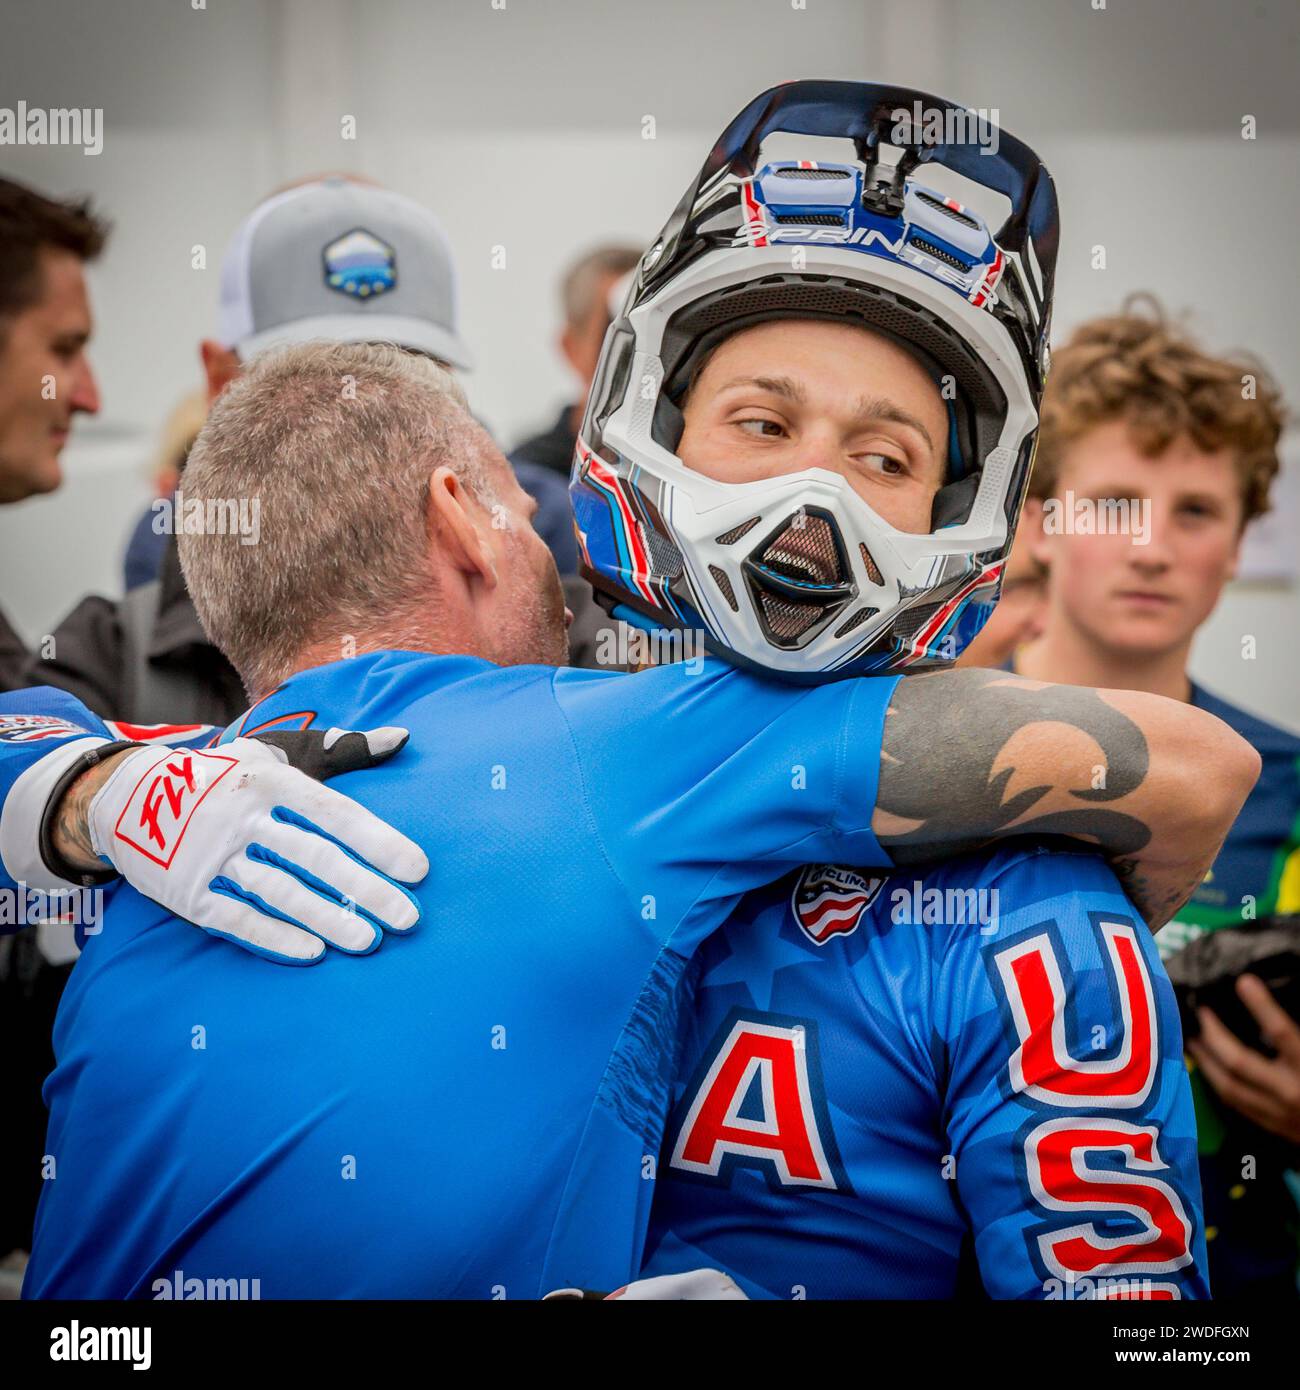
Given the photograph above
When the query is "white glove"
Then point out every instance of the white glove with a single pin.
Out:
(240, 842)
(695, 1286)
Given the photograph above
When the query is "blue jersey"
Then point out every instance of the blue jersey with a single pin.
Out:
(468, 1112)
(901, 1087)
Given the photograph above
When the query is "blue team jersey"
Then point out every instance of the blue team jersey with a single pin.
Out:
(467, 1113)
(902, 1086)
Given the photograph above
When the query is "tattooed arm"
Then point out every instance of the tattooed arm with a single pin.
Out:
(70, 822)
(971, 756)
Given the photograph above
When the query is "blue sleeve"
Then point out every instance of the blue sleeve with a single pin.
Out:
(38, 718)
(37, 726)
(701, 781)
(42, 732)
(1068, 1110)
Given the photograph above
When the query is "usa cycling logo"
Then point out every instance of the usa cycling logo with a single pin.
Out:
(28, 728)
(829, 901)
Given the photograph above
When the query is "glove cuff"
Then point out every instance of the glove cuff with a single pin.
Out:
(50, 856)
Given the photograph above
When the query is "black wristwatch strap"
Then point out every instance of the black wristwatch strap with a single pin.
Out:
(54, 861)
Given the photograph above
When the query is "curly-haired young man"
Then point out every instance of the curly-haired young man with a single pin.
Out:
(1152, 458)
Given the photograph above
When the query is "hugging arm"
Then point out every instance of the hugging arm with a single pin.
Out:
(242, 839)
(973, 756)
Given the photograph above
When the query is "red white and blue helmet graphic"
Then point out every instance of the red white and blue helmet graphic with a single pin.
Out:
(797, 574)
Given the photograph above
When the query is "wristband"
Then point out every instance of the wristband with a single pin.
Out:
(50, 856)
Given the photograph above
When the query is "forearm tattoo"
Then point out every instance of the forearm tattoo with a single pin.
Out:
(945, 768)
(72, 820)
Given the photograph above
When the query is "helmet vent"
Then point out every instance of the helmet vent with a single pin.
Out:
(732, 536)
(857, 620)
(808, 219)
(805, 551)
(873, 569)
(943, 207)
(665, 558)
(912, 620)
(812, 174)
(919, 243)
(787, 620)
(723, 583)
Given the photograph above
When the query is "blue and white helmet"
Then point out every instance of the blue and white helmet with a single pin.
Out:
(862, 241)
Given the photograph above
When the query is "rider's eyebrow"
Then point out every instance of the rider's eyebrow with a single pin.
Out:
(777, 385)
(868, 409)
(882, 408)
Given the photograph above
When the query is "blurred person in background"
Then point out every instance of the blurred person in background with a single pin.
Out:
(1137, 416)
(45, 373)
(1022, 608)
(148, 542)
(584, 295)
(542, 462)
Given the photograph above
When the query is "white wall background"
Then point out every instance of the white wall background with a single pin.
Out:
(522, 127)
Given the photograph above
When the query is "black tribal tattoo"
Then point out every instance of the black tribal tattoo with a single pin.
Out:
(975, 714)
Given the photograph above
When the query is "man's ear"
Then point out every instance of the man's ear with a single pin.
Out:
(454, 529)
(220, 366)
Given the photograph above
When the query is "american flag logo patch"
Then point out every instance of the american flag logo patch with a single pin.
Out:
(28, 728)
(829, 901)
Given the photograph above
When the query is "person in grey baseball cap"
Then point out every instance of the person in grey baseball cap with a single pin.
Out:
(341, 259)
(336, 258)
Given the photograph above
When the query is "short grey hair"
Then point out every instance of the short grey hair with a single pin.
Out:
(335, 443)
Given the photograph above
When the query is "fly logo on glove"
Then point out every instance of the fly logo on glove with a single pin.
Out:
(268, 857)
(160, 808)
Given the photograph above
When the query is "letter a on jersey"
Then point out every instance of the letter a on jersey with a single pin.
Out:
(754, 1100)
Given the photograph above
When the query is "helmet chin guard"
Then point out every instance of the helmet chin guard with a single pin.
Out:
(797, 574)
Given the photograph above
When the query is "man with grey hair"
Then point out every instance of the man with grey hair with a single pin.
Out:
(341, 467)
(334, 258)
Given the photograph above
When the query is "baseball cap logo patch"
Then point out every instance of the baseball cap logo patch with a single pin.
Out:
(361, 265)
